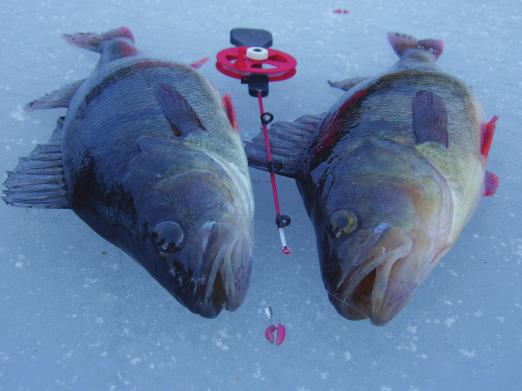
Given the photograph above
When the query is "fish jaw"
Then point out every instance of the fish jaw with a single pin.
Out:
(196, 231)
(219, 277)
(380, 285)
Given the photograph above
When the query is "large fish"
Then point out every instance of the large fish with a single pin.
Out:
(147, 157)
(389, 176)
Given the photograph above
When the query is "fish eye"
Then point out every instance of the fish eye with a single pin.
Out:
(341, 222)
(167, 237)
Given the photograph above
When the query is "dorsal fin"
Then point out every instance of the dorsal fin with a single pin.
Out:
(181, 116)
(430, 118)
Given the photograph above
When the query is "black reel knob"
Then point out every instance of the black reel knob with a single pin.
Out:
(251, 37)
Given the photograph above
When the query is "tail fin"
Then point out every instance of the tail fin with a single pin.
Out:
(92, 41)
(400, 42)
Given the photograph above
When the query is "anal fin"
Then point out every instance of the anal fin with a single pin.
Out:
(289, 143)
(491, 182)
(38, 181)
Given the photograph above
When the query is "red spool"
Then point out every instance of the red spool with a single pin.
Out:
(278, 66)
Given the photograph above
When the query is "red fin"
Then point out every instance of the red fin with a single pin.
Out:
(491, 182)
(231, 112)
(488, 130)
(199, 63)
(340, 11)
(333, 125)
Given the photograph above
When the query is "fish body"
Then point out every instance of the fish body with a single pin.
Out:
(389, 176)
(147, 157)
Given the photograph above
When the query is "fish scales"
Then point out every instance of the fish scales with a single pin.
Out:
(147, 157)
(389, 177)
(384, 110)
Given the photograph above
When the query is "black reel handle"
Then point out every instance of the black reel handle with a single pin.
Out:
(251, 37)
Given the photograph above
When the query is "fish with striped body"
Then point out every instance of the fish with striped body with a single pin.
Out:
(389, 176)
(147, 157)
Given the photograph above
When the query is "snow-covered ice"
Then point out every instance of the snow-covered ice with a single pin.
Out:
(77, 313)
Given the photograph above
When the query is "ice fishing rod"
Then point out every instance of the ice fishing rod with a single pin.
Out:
(255, 64)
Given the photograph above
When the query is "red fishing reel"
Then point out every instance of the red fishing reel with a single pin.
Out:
(254, 63)
(244, 61)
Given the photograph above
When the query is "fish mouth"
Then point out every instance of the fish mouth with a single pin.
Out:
(219, 278)
(377, 289)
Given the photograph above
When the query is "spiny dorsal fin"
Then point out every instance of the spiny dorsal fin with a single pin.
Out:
(181, 116)
(58, 98)
(38, 180)
(289, 143)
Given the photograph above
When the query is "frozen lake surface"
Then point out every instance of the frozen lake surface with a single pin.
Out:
(77, 313)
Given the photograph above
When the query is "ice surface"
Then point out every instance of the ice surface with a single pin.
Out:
(76, 313)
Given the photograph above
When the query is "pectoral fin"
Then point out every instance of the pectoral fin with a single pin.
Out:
(178, 111)
(430, 118)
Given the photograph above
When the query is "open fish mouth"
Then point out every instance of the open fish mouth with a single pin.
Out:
(376, 289)
(220, 278)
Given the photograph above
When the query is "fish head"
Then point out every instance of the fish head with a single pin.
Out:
(379, 235)
(198, 235)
